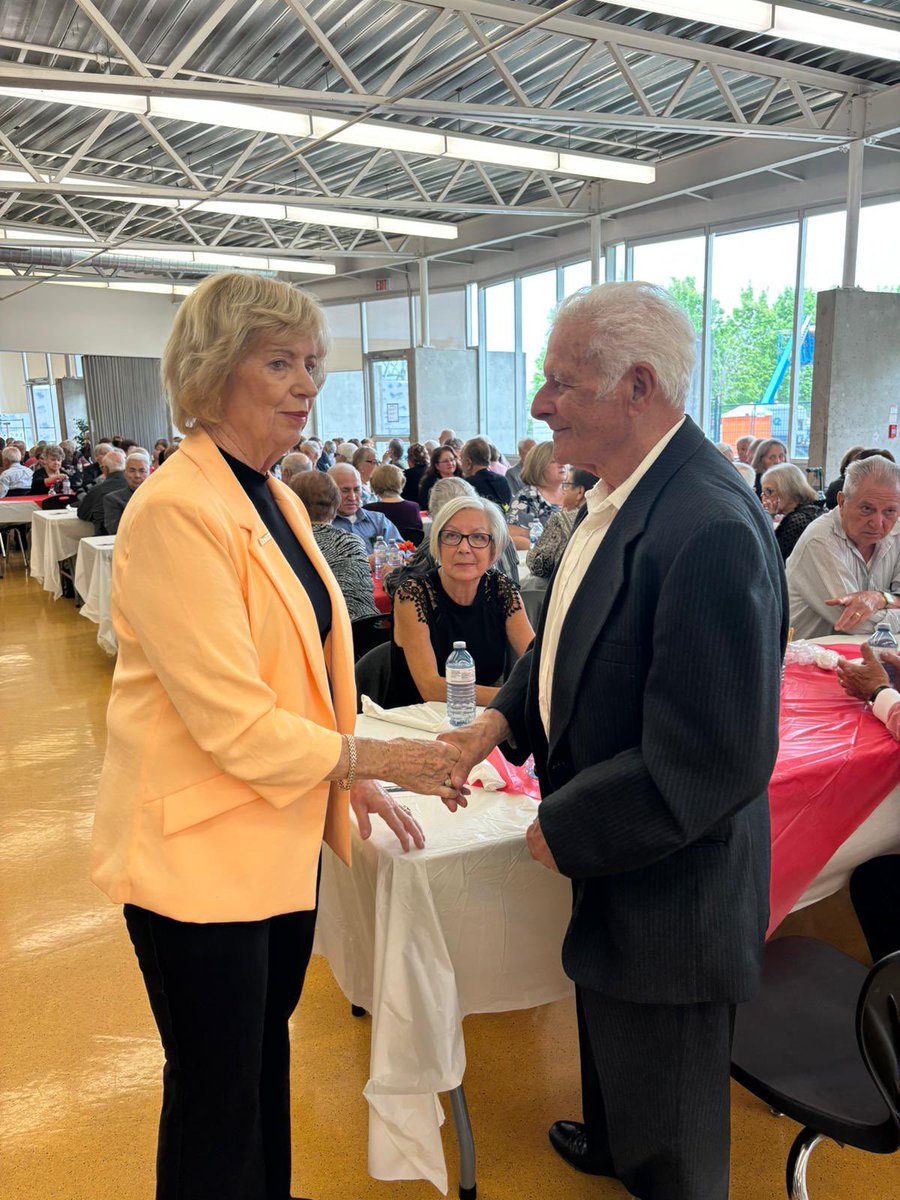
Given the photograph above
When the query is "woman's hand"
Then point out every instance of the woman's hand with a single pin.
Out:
(861, 679)
(366, 797)
(425, 767)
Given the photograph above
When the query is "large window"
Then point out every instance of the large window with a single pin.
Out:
(387, 324)
(679, 266)
(499, 364)
(578, 275)
(823, 268)
(751, 340)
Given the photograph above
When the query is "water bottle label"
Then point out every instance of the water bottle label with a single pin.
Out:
(460, 674)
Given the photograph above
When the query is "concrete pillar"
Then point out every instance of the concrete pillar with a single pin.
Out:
(424, 316)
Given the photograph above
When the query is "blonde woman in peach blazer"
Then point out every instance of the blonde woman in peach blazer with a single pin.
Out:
(230, 754)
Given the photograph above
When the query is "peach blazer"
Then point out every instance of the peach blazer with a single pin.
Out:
(225, 708)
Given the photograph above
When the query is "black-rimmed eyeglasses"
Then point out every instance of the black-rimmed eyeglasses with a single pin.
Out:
(452, 537)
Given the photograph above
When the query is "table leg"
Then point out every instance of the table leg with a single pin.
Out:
(467, 1187)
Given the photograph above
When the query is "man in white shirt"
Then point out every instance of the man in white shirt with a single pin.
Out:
(844, 571)
(13, 477)
(654, 797)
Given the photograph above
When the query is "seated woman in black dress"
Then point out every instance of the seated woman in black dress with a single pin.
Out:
(461, 600)
(786, 493)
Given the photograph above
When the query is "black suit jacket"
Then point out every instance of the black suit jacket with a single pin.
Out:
(663, 735)
(491, 486)
(90, 506)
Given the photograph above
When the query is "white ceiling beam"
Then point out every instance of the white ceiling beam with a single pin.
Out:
(298, 8)
(413, 52)
(198, 37)
(166, 146)
(498, 63)
(628, 75)
(100, 22)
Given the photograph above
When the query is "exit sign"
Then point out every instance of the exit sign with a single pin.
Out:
(382, 285)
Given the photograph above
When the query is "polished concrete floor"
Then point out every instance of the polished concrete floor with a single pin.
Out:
(80, 1067)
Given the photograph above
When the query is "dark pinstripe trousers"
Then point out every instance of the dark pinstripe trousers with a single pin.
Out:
(655, 1094)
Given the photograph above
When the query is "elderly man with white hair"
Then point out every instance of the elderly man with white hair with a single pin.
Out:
(654, 796)
(137, 471)
(293, 464)
(13, 477)
(844, 572)
(352, 517)
(90, 506)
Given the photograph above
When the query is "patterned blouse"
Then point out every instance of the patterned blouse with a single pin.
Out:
(481, 625)
(346, 555)
(529, 505)
(542, 558)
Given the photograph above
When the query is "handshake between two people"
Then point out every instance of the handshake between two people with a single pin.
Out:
(438, 768)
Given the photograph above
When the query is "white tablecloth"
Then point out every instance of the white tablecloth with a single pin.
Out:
(469, 924)
(17, 511)
(54, 537)
(93, 582)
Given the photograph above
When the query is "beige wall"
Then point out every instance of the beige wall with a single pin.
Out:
(12, 384)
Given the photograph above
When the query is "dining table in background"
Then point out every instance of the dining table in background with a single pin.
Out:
(93, 583)
(54, 538)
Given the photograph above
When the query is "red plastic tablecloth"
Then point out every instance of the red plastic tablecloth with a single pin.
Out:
(382, 599)
(835, 766)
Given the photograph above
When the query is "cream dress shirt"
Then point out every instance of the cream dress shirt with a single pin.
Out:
(602, 506)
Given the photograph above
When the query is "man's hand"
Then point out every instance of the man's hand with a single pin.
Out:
(858, 607)
(474, 742)
(366, 797)
(861, 679)
(540, 851)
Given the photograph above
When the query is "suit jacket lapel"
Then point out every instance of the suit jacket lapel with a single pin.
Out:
(590, 608)
(265, 551)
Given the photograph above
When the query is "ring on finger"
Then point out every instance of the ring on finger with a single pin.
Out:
(448, 783)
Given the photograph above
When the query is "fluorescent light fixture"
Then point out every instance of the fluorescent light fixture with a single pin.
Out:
(511, 154)
(240, 208)
(40, 235)
(146, 201)
(127, 285)
(840, 33)
(734, 14)
(296, 266)
(180, 257)
(625, 169)
(228, 114)
(326, 216)
(382, 135)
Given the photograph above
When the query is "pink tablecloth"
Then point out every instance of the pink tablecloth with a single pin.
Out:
(835, 765)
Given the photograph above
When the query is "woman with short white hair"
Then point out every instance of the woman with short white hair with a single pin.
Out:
(787, 494)
(460, 600)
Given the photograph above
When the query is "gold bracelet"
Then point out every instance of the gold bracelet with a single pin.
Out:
(346, 784)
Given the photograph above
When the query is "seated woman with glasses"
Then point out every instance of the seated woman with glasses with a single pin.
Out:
(786, 494)
(543, 557)
(460, 600)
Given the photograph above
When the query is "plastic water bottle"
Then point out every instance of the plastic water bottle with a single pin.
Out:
(460, 672)
(883, 639)
(535, 529)
(380, 552)
(394, 555)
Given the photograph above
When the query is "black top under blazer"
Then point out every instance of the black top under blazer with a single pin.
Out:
(664, 733)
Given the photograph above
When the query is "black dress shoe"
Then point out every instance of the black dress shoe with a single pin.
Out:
(570, 1142)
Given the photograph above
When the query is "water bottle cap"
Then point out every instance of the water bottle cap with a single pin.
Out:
(459, 645)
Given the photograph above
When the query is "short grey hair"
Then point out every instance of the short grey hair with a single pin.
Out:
(877, 470)
(446, 490)
(101, 450)
(789, 483)
(115, 460)
(296, 462)
(746, 472)
(335, 471)
(636, 322)
(495, 521)
(11, 454)
(52, 450)
(141, 454)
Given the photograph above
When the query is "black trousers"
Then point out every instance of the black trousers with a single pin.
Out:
(656, 1094)
(875, 893)
(221, 995)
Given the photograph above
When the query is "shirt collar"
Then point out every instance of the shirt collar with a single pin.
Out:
(600, 497)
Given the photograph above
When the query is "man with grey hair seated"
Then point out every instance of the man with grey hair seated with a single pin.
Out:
(293, 464)
(13, 476)
(93, 472)
(90, 506)
(137, 470)
(654, 796)
(844, 572)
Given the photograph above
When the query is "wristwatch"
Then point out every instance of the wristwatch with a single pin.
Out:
(888, 599)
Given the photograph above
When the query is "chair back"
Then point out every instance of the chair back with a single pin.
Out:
(369, 632)
(878, 1030)
(416, 536)
(373, 675)
(17, 493)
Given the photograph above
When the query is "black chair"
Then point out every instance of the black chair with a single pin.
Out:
(369, 632)
(416, 536)
(820, 1044)
(18, 493)
(373, 675)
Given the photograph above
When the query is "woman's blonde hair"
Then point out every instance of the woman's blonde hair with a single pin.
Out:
(219, 324)
(537, 460)
(386, 478)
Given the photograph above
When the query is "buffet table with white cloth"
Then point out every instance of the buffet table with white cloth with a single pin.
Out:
(469, 924)
(54, 537)
(93, 582)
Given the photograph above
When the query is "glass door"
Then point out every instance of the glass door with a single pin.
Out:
(389, 384)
